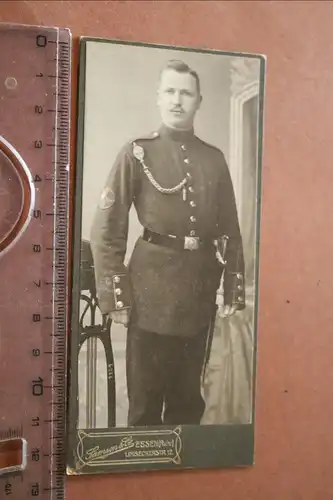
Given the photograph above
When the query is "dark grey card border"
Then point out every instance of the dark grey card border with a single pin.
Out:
(210, 446)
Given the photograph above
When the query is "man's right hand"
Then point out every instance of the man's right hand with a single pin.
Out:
(121, 317)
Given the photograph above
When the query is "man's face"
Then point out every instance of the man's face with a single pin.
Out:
(178, 99)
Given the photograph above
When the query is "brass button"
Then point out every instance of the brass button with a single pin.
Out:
(183, 147)
(192, 233)
(119, 304)
(118, 291)
(188, 175)
(116, 279)
(186, 160)
(191, 190)
(193, 219)
(193, 204)
(240, 287)
(239, 276)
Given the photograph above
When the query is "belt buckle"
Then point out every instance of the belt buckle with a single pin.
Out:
(191, 243)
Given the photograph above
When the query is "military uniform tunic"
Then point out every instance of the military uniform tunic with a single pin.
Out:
(170, 291)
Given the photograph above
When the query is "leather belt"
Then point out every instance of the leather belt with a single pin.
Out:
(177, 242)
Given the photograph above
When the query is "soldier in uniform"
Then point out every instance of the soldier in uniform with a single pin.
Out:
(166, 295)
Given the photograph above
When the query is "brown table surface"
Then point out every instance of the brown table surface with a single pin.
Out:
(294, 433)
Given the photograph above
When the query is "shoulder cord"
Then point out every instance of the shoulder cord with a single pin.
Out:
(138, 153)
(154, 182)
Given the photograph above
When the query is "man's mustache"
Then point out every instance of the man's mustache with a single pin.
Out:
(177, 108)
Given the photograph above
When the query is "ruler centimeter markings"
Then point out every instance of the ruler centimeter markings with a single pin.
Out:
(35, 80)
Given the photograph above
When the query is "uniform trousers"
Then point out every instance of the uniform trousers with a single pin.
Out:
(164, 378)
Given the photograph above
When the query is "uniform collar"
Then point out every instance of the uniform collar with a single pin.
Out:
(176, 135)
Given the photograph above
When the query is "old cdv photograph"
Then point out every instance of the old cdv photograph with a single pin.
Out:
(163, 341)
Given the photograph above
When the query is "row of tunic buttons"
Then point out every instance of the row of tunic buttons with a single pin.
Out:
(118, 291)
(191, 190)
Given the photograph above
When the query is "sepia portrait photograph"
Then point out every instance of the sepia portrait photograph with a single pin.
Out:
(165, 258)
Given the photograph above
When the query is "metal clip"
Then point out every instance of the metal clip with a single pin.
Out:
(222, 248)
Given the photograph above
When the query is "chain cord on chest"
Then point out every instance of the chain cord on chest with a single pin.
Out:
(139, 155)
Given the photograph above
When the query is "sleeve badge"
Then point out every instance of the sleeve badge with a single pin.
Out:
(107, 199)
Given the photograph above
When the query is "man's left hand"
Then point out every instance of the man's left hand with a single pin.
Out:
(228, 310)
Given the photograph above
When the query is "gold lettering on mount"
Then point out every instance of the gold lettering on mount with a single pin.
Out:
(98, 454)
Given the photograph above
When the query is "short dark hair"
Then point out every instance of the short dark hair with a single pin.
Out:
(182, 67)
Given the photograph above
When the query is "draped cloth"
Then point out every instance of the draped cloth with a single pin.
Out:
(228, 383)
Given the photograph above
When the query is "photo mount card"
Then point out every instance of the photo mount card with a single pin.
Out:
(165, 268)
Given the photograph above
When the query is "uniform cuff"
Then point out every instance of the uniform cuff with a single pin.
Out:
(234, 290)
(114, 293)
